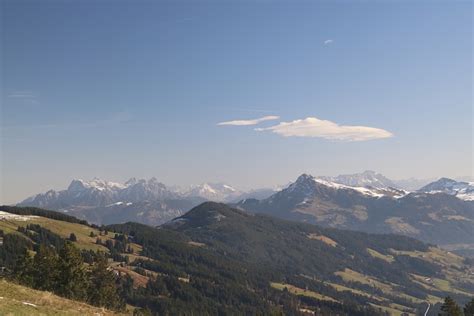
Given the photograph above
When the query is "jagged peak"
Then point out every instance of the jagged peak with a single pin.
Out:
(77, 184)
(305, 177)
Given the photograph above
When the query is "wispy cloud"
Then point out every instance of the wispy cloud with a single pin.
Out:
(249, 122)
(111, 120)
(328, 41)
(314, 127)
(23, 96)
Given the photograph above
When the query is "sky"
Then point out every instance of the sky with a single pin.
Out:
(251, 93)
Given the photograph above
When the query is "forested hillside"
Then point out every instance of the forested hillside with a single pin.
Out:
(219, 260)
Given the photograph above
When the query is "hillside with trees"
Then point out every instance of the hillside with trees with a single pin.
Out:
(219, 260)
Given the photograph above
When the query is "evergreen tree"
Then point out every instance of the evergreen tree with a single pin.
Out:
(23, 269)
(45, 268)
(72, 281)
(72, 237)
(469, 308)
(450, 308)
(103, 290)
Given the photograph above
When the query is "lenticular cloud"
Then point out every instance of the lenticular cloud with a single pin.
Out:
(249, 122)
(314, 127)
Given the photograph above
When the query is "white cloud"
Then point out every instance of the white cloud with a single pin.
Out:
(314, 127)
(327, 42)
(249, 122)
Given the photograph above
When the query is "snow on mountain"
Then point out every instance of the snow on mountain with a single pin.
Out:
(306, 182)
(98, 192)
(139, 190)
(14, 217)
(365, 179)
(460, 189)
(213, 191)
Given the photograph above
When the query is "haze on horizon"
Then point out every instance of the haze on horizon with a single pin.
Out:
(248, 93)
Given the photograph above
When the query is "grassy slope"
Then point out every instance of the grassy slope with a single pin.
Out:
(63, 229)
(297, 291)
(434, 255)
(13, 298)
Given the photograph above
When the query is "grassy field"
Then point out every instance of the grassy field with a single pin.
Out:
(324, 239)
(437, 284)
(378, 255)
(434, 255)
(63, 229)
(352, 276)
(349, 275)
(16, 300)
(454, 270)
(342, 288)
(298, 291)
(391, 310)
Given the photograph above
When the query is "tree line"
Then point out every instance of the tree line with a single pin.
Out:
(59, 267)
(451, 308)
(65, 274)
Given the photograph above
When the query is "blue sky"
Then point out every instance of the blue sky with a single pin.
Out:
(137, 88)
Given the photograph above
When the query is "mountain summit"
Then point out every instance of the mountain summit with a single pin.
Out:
(460, 189)
(435, 218)
(367, 178)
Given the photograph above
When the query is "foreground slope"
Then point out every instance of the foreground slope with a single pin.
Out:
(17, 300)
(61, 224)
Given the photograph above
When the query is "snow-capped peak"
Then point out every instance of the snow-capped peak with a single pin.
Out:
(95, 183)
(367, 178)
(460, 189)
(213, 191)
(306, 184)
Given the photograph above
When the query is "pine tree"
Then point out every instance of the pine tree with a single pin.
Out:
(103, 290)
(72, 237)
(45, 268)
(23, 269)
(72, 280)
(469, 308)
(450, 308)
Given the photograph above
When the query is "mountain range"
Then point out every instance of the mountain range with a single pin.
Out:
(436, 216)
(440, 212)
(145, 201)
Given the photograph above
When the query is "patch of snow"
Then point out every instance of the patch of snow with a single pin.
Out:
(219, 217)
(10, 216)
(462, 190)
(363, 190)
(229, 188)
(29, 304)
